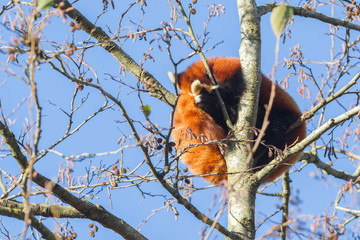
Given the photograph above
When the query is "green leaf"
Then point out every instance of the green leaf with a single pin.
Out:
(279, 17)
(44, 4)
(146, 110)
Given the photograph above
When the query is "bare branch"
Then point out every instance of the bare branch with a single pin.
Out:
(45, 210)
(120, 55)
(285, 205)
(263, 173)
(311, 113)
(312, 14)
(19, 214)
(91, 211)
(311, 158)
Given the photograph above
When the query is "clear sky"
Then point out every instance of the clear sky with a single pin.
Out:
(101, 134)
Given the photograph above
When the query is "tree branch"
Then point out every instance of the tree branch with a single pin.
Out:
(91, 211)
(156, 89)
(316, 134)
(19, 214)
(311, 113)
(285, 205)
(312, 14)
(312, 158)
(45, 210)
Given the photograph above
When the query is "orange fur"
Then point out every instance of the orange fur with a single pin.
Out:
(192, 125)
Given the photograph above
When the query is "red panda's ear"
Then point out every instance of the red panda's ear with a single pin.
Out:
(197, 87)
(172, 77)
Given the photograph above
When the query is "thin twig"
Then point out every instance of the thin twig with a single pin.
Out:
(285, 205)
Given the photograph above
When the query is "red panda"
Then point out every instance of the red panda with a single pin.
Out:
(198, 118)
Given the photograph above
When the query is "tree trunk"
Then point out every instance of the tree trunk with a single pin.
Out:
(242, 185)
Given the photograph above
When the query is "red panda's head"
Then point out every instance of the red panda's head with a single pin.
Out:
(223, 70)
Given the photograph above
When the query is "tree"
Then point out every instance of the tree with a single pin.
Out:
(86, 137)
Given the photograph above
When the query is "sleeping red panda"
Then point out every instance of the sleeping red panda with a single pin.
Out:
(198, 118)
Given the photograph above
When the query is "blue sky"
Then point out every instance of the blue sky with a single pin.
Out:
(102, 133)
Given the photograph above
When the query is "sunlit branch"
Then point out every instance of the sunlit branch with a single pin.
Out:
(45, 210)
(263, 173)
(120, 55)
(311, 113)
(347, 153)
(89, 155)
(311, 158)
(7, 191)
(68, 132)
(91, 211)
(218, 215)
(267, 218)
(351, 211)
(354, 214)
(285, 205)
(19, 214)
(299, 11)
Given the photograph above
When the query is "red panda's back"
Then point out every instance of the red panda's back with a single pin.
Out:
(223, 69)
